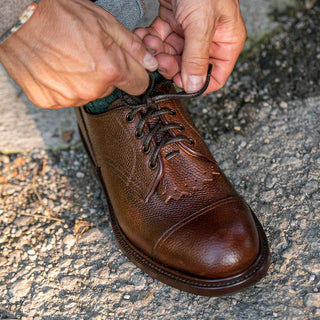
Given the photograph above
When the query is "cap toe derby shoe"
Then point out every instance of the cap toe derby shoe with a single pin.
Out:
(173, 212)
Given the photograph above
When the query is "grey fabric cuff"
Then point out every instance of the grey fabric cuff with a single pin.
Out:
(127, 12)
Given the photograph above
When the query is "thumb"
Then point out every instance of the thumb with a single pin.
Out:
(195, 58)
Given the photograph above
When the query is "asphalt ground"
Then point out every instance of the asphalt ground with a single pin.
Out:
(59, 258)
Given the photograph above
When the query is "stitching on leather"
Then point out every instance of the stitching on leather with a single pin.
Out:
(188, 219)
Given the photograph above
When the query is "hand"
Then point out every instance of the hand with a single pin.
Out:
(188, 35)
(72, 52)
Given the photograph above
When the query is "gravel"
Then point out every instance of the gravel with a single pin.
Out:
(59, 258)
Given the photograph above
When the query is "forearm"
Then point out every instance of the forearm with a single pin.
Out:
(127, 12)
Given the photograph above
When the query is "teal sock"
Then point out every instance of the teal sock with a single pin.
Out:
(101, 105)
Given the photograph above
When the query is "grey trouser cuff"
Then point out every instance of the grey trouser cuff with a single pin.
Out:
(127, 12)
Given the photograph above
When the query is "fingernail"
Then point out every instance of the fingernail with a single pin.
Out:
(152, 51)
(195, 83)
(150, 62)
(162, 70)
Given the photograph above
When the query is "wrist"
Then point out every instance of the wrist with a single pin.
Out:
(23, 18)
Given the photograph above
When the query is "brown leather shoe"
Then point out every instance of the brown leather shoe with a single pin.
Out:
(173, 212)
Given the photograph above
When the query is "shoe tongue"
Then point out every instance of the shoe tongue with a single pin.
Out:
(162, 86)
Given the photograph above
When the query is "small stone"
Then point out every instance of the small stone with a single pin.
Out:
(31, 252)
(10, 191)
(283, 105)
(46, 248)
(19, 290)
(80, 175)
(67, 135)
(126, 297)
(23, 221)
(312, 300)
(91, 235)
(313, 266)
(69, 240)
(268, 196)
(70, 305)
(291, 161)
(269, 181)
(33, 258)
(312, 277)
(3, 238)
(310, 187)
(69, 283)
(5, 159)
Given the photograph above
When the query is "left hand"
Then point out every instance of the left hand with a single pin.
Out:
(187, 35)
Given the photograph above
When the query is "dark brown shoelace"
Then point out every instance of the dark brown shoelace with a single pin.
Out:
(147, 105)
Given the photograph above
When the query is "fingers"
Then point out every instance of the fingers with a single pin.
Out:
(223, 60)
(189, 30)
(169, 65)
(124, 72)
(195, 56)
(165, 44)
(132, 44)
(224, 52)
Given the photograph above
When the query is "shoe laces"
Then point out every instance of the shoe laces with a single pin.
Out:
(147, 106)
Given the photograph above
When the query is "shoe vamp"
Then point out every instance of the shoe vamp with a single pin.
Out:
(186, 183)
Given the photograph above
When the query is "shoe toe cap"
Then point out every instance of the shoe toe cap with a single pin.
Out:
(218, 241)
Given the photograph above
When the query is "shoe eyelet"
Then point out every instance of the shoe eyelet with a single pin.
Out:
(172, 112)
(139, 135)
(191, 142)
(152, 166)
(129, 117)
(146, 150)
(181, 128)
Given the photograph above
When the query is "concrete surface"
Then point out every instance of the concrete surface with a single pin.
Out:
(58, 256)
(24, 126)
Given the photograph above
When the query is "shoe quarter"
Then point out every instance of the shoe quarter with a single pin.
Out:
(117, 149)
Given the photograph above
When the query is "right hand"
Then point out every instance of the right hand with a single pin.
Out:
(188, 35)
(72, 52)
